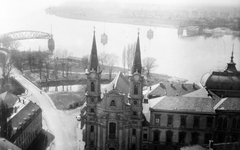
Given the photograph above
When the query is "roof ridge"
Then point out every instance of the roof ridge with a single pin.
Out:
(219, 103)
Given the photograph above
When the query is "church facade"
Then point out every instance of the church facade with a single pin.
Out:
(113, 120)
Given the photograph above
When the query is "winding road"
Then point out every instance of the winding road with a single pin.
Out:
(61, 124)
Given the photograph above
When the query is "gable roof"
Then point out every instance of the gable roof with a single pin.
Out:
(186, 104)
(172, 89)
(119, 83)
(9, 99)
(23, 114)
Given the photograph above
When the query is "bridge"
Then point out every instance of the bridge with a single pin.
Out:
(27, 34)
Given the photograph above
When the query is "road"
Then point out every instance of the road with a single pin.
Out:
(62, 124)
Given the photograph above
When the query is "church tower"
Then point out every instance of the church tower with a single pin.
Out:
(136, 96)
(93, 93)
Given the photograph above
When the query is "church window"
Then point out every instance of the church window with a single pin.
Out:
(113, 103)
(145, 136)
(169, 135)
(92, 128)
(134, 132)
(133, 146)
(181, 137)
(135, 102)
(156, 135)
(234, 123)
(92, 99)
(92, 110)
(92, 87)
(112, 130)
(135, 89)
(134, 113)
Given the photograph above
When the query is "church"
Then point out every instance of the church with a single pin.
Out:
(113, 119)
(119, 117)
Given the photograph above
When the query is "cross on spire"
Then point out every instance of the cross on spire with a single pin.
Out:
(232, 53)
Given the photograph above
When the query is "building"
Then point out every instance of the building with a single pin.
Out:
(117, 117)
(113, 119)
(21, 120)
(6, 145)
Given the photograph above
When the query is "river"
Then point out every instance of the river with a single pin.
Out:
(188, 58)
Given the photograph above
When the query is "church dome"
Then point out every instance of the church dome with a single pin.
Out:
(224, 83)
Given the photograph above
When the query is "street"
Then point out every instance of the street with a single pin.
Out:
(62, 124)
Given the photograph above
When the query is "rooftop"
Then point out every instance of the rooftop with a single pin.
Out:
(6, 145)
(186, 104)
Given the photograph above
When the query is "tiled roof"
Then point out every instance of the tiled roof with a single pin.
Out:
(171, 89)
(198, 93)
(8, 98)
(120, 83)
(6, 145)
(150, 104)
(24, 114)
(228, 104)
(186, 104)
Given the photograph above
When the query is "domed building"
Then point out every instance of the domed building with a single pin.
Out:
(223, 83)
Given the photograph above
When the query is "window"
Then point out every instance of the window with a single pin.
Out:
(207, 137)
(209, 122)
(112, 130)
(134, 113)
(134, 132)
(195, 137)
(238, 124)
(170, 120)
(156, 135)
(145, 147)
(169, 135)
(92, 99)
(92, 87)
(135, 89)
(157, 120)
(196, 121)
(133, 146)
(145, 136)
(113, 103)
(222, 123)
(181, 137)
(91, 143)
(92, 129)
(135, 102)
(92, 110)
(234, 123)
(183, 121)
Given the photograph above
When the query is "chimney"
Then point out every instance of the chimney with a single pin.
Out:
(194, 87)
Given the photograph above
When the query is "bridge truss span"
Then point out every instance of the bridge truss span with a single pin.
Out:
(26, 34)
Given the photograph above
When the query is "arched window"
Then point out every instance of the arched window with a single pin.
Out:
(113, 103)
(92, 87)
(156, 135)
(135, 89)
(112, 130)
(134, 113)
(169, 135)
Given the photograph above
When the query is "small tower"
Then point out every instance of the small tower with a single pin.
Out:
(231, 67)
(135, 98)
(93, 93)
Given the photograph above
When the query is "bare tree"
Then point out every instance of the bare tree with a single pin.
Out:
(103, 60)
(149, 63)
(108, 61)
(8, 43)
(6, 65)
(124, 59)
(84, 62)
(130, 55)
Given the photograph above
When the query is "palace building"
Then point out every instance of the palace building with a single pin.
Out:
(119, 117)
(20, 120)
